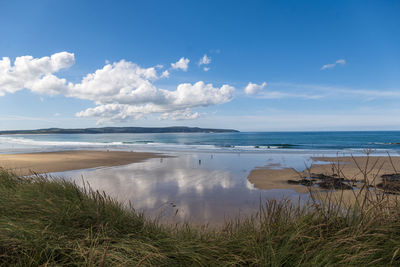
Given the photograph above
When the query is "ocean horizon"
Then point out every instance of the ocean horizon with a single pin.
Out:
(329, 141)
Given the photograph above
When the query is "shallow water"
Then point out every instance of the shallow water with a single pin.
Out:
(196, 187)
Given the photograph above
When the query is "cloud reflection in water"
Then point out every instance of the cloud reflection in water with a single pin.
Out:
(202, 188)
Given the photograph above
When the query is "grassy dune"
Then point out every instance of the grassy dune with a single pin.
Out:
(53, 222)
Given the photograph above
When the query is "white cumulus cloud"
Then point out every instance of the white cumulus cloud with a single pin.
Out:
(165, 74)
(176, 104)
(35, 74)
(182, 63)
(253, 88)
(337, 62)
(205, 60)
(120, 91)
(122, 82)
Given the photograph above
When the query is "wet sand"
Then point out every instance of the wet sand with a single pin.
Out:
(264, 178)
(26, 164)
(347, 167)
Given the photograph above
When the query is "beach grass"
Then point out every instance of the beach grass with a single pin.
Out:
(53, 222)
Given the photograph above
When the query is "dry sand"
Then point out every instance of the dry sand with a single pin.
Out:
(26, 164)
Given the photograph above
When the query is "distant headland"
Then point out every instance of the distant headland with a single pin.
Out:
(174, 129)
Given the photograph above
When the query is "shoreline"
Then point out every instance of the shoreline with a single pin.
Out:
(60, 161)
(264, 178)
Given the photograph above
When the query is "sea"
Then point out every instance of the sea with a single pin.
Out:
(204, 179)
(380, 141)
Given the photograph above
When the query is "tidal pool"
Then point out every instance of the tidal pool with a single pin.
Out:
(191, 187)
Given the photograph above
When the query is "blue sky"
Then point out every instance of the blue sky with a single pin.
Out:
(277, 49)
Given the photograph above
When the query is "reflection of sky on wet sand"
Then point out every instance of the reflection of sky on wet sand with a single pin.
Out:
(203, 187)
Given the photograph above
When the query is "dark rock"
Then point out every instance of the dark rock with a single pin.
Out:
(389, 187)
(325, 181)
(334, 184)
(394, 177)
(390, 183)
(306, 182)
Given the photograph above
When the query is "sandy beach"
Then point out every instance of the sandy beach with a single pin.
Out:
(347, 167)
(265, 178)
(45, 162)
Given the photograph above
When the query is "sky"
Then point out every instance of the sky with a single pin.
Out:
(246, 65)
